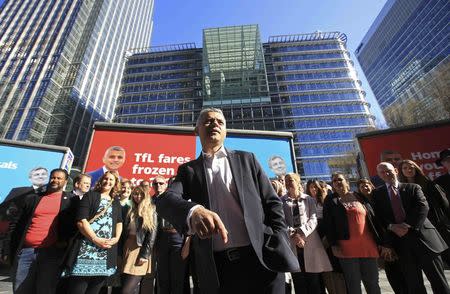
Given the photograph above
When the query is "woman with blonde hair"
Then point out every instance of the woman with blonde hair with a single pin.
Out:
(93, 257)
(140, 227)
(301, 218)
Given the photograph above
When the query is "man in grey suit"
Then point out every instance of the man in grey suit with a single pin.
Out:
(240, 241)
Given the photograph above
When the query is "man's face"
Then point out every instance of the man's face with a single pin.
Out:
(212, 130)
(114, 160)
(387, 173)
(159, 185)
(57, 182)
(278, 166)
(446, 163)
(39, 177)
(84, 184)
(393, 159)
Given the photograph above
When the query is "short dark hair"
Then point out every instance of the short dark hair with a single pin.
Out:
(79, 177)
(61, 170)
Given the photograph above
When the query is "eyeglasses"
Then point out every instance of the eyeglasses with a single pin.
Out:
(158, 184)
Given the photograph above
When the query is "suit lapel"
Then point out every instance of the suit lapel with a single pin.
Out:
(199, 172)
(236, 171)
(403, 195)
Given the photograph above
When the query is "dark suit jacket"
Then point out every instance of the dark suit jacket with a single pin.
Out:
(95, 174)
(416, 208)
(17, 192)
(263, 214)
(27, 205)
(444, 182)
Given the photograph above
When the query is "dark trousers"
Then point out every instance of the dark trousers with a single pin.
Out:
(413, 259)
(245, 274)
(396, 278)
(86, 285)
(171, 267)
(304, 282)
(37, 270)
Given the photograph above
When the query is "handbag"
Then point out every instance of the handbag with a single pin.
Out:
(74, 242)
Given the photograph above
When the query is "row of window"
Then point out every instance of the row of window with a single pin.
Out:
(161, 58)
(316, 167)
(159, 77)
(306, 66)
(329, 122)
(305, 48)
(326, 149)
(160, 86)
(316, 75)
(329, 109)
(286, 58)
(317, 86)
(324, 136)
(175, 66)
(321, 97)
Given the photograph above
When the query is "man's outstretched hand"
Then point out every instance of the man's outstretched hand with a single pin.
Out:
(206, 223)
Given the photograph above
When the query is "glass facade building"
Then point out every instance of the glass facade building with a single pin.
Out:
(305, 84)
(61, 64)
(405, 57)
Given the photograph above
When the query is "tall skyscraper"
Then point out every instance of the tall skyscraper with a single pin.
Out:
(304, 83)
(405, 56)
(61, 64)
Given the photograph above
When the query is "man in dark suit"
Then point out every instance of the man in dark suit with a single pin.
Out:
(38, 239)
(402, 210)
(38, 177)
(240, 241)
(444, 180)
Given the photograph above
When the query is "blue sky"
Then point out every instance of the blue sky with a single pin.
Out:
(182, 21)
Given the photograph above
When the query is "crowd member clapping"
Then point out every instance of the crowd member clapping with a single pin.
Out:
(99, 220)
(139, 237)
(278, 187)
(439, 211)
(300, 213)
(349, 222)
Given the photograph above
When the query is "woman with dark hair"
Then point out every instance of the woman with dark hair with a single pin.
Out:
(315, 190)
(138, 237)
(365, 188)
(301, 218)
(99, 220)
(353, 234)
(439, 212)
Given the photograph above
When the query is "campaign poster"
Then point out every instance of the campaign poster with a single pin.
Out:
(274, 154)
(145, 155)
(421, 145)
(24, 167)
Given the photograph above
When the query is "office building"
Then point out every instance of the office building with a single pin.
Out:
(305, 84)
(405, 57)
(61, 64)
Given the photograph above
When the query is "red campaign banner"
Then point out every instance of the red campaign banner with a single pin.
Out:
(146, 154)
(420, 145)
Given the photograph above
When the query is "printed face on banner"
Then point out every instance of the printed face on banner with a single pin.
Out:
(421, 145)
(147, 154)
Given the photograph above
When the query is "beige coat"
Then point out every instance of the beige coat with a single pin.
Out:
(316, 259)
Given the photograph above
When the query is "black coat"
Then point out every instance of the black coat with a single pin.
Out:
(27, 205)
(335, 221)
(87, 208)
(415, 205)
(262, 209)
(444, 182)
